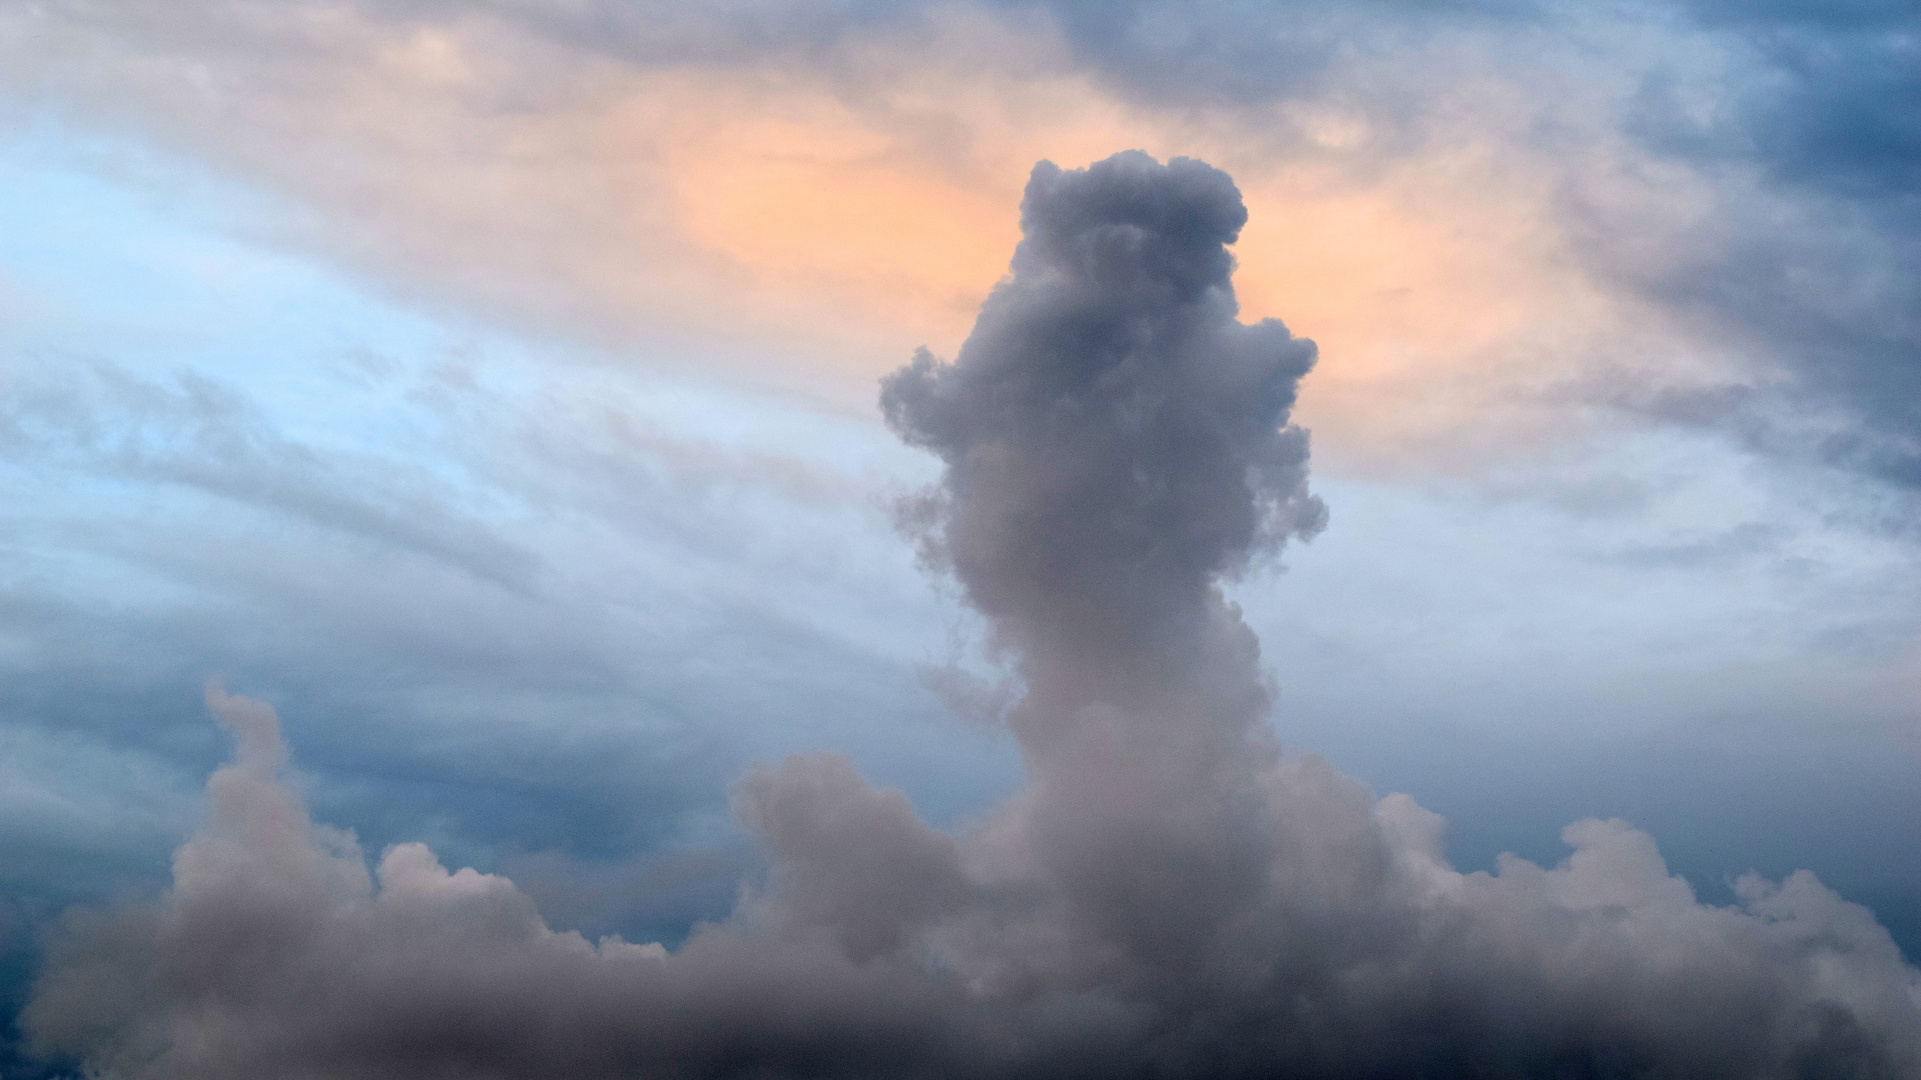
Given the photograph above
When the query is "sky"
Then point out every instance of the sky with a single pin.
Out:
(497, 436)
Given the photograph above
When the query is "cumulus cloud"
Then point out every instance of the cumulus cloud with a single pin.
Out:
(1171, 895)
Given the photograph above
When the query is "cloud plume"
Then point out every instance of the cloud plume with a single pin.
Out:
(1171, 896)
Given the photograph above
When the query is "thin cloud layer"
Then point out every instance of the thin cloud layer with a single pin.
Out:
(800, 191)
(1172, 896)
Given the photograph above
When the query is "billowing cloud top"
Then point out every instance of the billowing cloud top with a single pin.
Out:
(1171, 896)
(1115, 439)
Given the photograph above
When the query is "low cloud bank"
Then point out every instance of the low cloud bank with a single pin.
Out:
(1171, 896)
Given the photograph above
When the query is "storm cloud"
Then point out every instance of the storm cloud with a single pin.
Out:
(1172, 895)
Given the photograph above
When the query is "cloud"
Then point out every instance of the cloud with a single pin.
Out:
(799, 193)
(331, 547)
(102, 420)
(1171, 896)
(1804, 257)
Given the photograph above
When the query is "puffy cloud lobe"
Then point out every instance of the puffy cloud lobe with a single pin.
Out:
(277, 954)
(1113, 435)
(1171, 897)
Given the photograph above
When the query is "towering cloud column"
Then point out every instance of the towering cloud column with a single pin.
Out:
(1116, 442)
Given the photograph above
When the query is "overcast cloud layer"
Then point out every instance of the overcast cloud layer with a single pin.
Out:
(1705, 209)
(1169, 896)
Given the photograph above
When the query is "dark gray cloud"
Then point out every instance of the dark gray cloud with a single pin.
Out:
(1810, 261)
(1171, 896)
